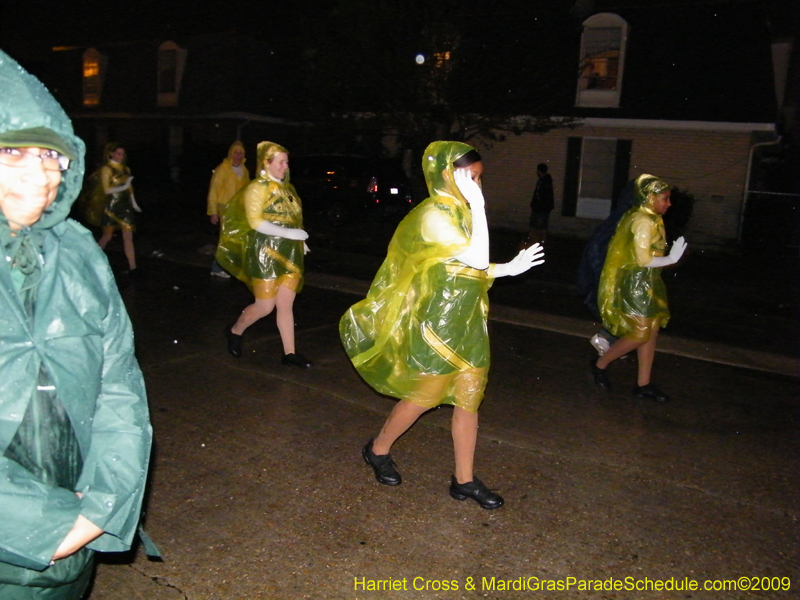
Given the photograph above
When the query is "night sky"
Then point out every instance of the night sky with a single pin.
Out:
(96, 22)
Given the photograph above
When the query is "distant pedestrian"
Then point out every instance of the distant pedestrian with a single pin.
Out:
(263, 244)
(632, 295)
(229, 177)
(420, 334)
(114, 182)
(75, 433)
(542, 204)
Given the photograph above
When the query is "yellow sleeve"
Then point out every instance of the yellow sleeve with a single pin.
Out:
(643, 230)
(255, 201)
(105, 179)
(213, 191)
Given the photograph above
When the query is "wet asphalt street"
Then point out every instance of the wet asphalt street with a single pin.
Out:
(258, 489)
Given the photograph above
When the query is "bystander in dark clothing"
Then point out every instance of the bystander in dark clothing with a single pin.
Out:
(542, 204)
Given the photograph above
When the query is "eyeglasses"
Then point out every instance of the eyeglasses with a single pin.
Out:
(50, 159)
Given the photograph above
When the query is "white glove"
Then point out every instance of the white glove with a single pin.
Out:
(471, 190)
(134, 205)
(675, 253)
(120, 188)
(268, 228)
(530, 257)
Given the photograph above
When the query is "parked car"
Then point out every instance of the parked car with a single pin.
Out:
(344, 187)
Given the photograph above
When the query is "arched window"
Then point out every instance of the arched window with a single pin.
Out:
(94, 71)
(171, 61)
(602, 61)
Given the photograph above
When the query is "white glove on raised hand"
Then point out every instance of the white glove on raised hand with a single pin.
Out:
(268, 228)
(675, 253)
(471, 190)
(530, 257)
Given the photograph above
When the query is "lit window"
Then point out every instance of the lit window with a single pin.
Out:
(441, 59)
(93, 74)
(167, 72)
(602, 60)
(171, 61)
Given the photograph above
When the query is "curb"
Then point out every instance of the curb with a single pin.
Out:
(694, 349)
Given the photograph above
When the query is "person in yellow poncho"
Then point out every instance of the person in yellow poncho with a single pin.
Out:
(229, 177)
(262, 243)
(632, 296)
(115, 192)
(420, 334)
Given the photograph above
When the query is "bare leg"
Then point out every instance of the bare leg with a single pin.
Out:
(464, 484)
(108, 233)
(403, 416)
(285, 318)
(646, 354)
(127, 244)
(465, 437)
(620, 348)
(252, 313)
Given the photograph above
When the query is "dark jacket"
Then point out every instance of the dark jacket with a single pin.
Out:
(542, 200)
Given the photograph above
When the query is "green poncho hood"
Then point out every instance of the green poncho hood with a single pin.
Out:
(26, 104)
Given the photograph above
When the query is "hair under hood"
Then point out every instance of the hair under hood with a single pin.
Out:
(646, 188)
(438, 167)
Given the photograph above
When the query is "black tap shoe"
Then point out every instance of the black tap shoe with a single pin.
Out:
(296, 360)
(477, 491)
(383, 465)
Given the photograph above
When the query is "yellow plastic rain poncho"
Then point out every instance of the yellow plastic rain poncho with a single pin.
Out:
(226, 182)
(115, 209)
(632, 297)
(420, 334)
(263, 262)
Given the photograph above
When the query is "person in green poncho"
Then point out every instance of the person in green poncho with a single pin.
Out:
(420, 334)
(632, 297)
(75, 433)
(262, 243)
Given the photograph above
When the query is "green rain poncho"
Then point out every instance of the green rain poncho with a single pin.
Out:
(73, 409)
(420, 334)
(632, 297)
(263, 262)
